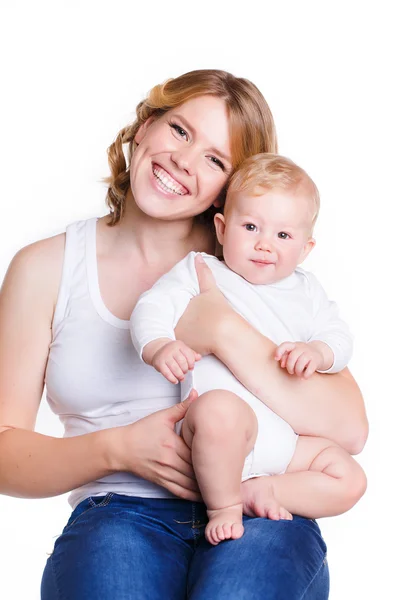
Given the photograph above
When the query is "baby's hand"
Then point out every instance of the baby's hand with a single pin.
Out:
(299, 358)
(174, 360)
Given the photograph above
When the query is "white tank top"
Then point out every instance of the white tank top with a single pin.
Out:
(94, 378)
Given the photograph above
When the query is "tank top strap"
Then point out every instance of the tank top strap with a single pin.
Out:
(74, 273)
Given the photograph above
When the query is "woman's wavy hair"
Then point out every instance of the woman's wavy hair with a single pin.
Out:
(252, 128)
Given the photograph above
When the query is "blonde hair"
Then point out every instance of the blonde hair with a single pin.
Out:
(271, 171)
(252, 128)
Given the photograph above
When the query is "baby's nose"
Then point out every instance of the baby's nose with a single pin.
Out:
(265, 245)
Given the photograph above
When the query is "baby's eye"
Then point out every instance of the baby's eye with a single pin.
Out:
(179, 130)
(250, 227)
(283, 235)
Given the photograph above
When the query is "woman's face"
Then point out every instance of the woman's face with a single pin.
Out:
(182, 160)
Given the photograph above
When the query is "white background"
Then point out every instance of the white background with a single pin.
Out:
(72, 74)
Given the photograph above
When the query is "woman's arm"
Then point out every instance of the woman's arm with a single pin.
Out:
(34, 465)
(39, 466)
(329, 406)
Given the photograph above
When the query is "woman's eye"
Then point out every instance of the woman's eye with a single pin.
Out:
(283, 235)
(250, 227)
(179, 130)
(217, 162)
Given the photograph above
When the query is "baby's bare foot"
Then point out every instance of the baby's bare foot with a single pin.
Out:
(259, 500)
(224, 524)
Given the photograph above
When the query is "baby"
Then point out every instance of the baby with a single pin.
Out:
(266, 232)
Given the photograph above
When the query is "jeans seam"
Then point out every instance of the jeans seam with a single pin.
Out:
(303, 525)
(53, 570)
(195, 532)
(318, 570)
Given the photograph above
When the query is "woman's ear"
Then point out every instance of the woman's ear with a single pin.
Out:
(142, 130)
(219, 222)
(219, 202)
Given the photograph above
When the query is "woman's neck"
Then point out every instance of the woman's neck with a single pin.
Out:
(157, 241)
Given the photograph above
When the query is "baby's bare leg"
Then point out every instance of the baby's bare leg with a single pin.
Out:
(221, 430)
(322, 480)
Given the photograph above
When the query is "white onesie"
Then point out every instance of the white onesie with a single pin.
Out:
(293, 309)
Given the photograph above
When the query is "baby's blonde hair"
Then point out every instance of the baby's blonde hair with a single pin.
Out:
(252, 127)
(265, 172)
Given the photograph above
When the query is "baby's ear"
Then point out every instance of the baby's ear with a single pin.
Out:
(219, 222)
(308, 246)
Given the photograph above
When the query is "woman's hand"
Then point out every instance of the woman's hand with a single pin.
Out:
(151, 449)
(199, 326)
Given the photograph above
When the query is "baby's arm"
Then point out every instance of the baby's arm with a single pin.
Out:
(329, 345)
(155, 316)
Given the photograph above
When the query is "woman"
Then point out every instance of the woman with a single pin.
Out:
(64, 316)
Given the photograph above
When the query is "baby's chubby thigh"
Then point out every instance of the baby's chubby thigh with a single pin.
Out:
(228, 407)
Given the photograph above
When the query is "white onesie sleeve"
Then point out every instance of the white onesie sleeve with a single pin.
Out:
(159, 309)
(328, 327)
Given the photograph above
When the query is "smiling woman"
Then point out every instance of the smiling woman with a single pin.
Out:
(182, 160)
(238, 125)
(137, 524)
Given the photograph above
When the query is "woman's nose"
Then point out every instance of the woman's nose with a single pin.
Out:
(184, 160)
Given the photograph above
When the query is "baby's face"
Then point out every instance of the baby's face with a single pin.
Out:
(265, 237)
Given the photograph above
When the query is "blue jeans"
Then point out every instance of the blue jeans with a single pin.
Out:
(122, 548)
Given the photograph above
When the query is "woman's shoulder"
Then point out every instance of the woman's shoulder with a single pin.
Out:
(37, 267)
(43, 254)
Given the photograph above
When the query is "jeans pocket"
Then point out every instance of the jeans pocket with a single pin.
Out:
(87, 505)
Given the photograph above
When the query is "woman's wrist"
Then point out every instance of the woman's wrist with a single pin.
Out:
(109, 447)
(233, 331)
(223, 319)
(224, 331)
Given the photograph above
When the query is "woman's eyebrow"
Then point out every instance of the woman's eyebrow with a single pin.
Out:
(191, 128)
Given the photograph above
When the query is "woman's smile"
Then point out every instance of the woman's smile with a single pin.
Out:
(167, 183)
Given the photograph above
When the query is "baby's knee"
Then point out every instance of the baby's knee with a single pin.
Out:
(357, 483)
(221, 412)
(353, 479)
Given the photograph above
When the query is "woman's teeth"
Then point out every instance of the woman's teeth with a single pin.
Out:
(167, 183)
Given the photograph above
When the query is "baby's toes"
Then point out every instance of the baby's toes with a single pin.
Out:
(273, 514)
(227, 529)
(237, 531)
(211, 536)
(220, 533)
(285, 514)
(261, 510)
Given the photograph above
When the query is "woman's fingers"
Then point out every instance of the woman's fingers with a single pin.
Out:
(174, 468)
(177, 412)
(182, 492)
(151, 448)
(204, 274)
(183, 452)
(179, 483)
